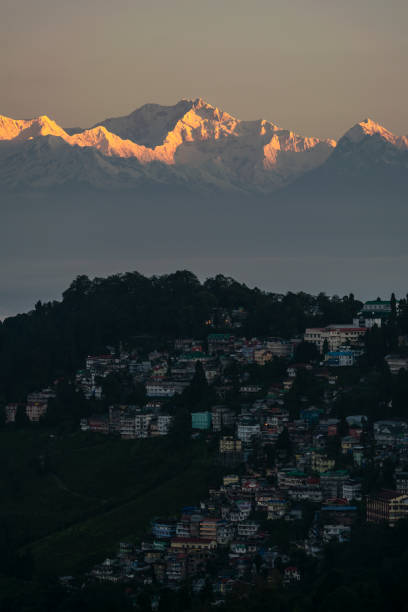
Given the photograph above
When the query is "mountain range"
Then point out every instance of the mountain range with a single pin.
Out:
(190, 146)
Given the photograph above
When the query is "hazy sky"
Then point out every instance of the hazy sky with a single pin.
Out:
(315, 66)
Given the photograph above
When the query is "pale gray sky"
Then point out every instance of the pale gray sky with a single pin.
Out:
(314, 66)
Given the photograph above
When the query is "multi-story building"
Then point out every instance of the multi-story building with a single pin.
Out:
(142, 424)
(376, 308)
(401, 482)
(163, 529)
(114, 418)
(335, 336)
(36, 410)
(176, 567)
(41, 397)
(229, 444)
(396, 363)
(262, 355)
(340, 359)
(219, 342)
(164, 422)
(201, 420)
(247, 529)
(351, 490)
(289, 477)
(390, 432)
(222, 417)
(321, 463)
(387, 506)
(341, 533)
(279, 347)
(11, 411)
(331, 483)
(99, 423)
(248, 429)
(37, 404)
(230, 479)
(277, 508)
(164, 388)
(183, 527)
(225, 533)
(209, 527)
(193, 544)
(135, 423)
(127, 425)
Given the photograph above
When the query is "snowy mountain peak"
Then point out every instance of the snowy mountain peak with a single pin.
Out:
(11, 129)
(195, 139)
(368, 127)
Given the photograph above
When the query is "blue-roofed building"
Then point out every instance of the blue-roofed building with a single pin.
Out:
(201, 420)
(311, 415)
(163, 529)
(337, 359)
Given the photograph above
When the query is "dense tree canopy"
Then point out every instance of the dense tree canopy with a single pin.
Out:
(54, 338)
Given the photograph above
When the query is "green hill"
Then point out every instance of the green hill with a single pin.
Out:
(68, 501)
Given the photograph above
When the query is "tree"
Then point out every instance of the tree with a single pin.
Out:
(21, 420)
(198, 395)
(343, 427)
(393, 307)
(333, 447)
(306, 352)
(400, 394)
(181, 426)
(284, 443)
(68, 407)
(2, 416)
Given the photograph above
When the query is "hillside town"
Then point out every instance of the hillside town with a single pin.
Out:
(296, 472)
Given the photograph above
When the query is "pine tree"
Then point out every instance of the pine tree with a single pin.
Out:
(21, 419)
(393, 307)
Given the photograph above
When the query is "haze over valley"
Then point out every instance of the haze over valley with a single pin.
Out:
(191, 186)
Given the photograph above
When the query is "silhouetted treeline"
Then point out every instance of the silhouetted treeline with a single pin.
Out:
(54, 339)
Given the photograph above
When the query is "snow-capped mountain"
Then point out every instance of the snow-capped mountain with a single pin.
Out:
(198, 141)
(369, 163)
(191, 144)
(368, 144)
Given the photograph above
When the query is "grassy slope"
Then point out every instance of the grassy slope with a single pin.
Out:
(70, 500)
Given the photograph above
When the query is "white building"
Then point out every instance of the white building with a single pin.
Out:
(164, 423)
(351, 490)
(247, 529)
(248, 429)
(396, 363)
(335, 336)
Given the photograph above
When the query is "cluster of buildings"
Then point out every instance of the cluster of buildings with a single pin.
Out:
(167, 373)
(34, 408)
(221, 531)
(130, 422)
(305, 469)
(227, 540)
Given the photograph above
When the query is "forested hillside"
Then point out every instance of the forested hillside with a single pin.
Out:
(53, 339)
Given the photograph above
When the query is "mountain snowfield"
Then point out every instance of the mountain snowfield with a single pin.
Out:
(191, 144)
